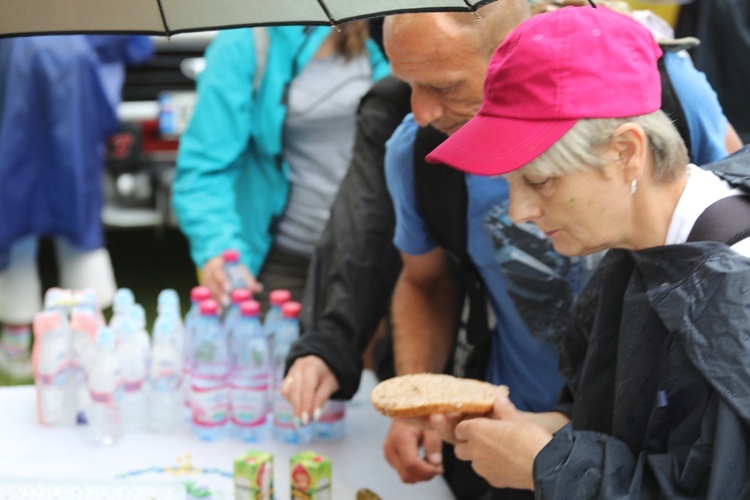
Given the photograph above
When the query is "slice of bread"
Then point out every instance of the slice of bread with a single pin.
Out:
(422, 394)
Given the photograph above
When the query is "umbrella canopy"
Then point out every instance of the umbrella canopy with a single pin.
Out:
(165, 17)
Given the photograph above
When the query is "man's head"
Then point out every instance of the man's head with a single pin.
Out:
(444, 58)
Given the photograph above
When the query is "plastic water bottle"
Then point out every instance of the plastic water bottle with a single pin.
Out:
(168, 300)
(271, 322)
(84, 324)
(331, 423)
(285, 429)
(50, 361)
(121, 304)
(209, 398)
(133, 365)
(106, 390)
(168, 305)
(86, 299)
(250, 376)
(197, 295)
(165, 374)
(233, 269)
(238, 296)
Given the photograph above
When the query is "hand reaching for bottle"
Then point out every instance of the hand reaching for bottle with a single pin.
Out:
(308, 385)
(214, 277)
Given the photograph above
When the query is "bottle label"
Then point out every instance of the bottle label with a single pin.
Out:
(282, 412)
(210, 406)
(249, 405)
(107, 398)
(166, 380)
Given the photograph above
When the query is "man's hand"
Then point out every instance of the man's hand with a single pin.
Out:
(213, 277)
(401, 449)
(308, 385)
(502, 448)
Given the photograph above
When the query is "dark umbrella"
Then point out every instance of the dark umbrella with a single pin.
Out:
(166, 17)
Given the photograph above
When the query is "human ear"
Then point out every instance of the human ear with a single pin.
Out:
(629, 142)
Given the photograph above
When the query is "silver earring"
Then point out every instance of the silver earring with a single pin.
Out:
(633, 186)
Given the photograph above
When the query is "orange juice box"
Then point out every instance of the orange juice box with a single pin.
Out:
(253, 476)
(310, 476)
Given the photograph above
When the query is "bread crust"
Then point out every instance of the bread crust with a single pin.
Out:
(417, 395)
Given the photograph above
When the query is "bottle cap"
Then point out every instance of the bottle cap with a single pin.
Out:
(279, 297)
(209, 307)
(167, 299)
(200, 293)
(240, 295)
(231, 256)
(291, 309)
(250, 308)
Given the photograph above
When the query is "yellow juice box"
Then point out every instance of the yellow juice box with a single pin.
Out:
(253, 476)
(310, 476)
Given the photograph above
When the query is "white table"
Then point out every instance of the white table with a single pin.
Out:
(29, 451)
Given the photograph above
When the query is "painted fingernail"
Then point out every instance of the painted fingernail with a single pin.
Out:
(305, 418)
(317, 413)
(436, 458)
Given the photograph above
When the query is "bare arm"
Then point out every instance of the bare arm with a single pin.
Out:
(424, 308)
(424, 311)
(733, 141)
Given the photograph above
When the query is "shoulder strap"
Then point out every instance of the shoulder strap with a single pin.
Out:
(726, 221)
(260, 36)
(441, 196)
(670, 104)
(442, 200)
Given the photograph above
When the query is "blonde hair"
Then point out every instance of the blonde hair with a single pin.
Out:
(582, 147)
(350, 41)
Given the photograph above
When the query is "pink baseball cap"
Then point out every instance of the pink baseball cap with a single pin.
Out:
(552, 70)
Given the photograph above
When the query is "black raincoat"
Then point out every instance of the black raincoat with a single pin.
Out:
(345, 300)
(657, 371)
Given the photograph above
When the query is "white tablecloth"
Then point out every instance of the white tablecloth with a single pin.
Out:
(29, 451)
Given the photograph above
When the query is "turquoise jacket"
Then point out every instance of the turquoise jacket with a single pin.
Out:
(231, 185)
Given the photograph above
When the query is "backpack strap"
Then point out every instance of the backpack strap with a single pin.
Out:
(726, 221)
(670, 104)
(442, 200)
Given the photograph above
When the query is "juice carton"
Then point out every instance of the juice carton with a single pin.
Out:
(253, 476)
(310, 476)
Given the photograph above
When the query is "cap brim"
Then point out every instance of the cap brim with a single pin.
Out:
(492, 145)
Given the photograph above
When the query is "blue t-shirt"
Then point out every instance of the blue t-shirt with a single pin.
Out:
(703, 113)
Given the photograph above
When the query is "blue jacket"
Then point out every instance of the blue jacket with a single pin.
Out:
(232, 184)
(55, 114)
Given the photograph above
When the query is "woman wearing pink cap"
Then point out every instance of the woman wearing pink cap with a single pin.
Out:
(656, 402)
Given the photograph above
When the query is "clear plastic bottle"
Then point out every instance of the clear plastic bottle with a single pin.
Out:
(238, 296)
(209, 398)
(250, 375)
(233, 269)
(84, 324)
(106, 390)
(285, 428)
(133, 365)
(197, 295)
(272, 320)
(165, 407)
(121, 304)
(331, 423)
(50, 362)
(168, 305)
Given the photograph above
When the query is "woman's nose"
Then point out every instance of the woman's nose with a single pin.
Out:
(522, 207)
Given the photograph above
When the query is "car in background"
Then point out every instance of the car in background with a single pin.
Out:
(158, 98)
